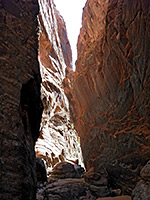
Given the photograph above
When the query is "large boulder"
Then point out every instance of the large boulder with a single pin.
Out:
(67, 170)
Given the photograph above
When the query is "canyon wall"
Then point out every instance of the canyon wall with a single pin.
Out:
(58, 139)
(21, 107)
(110, 98)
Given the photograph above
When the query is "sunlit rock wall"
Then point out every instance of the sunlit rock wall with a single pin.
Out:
(21, 107)
(110, 104)
(58, 140)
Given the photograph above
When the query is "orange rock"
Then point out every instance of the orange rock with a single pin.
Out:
(110, 101)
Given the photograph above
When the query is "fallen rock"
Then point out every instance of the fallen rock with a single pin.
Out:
(96, 178)
(66, 182)
(115, 192)
(68, 188)
(102, 191)
(67, 170)
(63, 189)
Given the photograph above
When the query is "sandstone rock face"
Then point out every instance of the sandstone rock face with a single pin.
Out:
(58, 140)
(110, 102)
(21, 107)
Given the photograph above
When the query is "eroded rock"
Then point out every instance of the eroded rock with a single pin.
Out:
(110, 98)
(58, 139)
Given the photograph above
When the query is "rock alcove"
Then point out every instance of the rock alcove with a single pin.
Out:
(104, 104)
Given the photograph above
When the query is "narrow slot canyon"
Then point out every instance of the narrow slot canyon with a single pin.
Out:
(76, 135)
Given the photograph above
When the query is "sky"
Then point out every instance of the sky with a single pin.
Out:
(71, 11)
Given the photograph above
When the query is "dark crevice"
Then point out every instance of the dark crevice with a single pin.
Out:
(31, 107)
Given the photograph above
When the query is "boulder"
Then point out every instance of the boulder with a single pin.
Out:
(67, 170)
(96, 178)
(63, 189)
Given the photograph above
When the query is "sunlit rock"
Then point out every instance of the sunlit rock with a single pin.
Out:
(58, 139)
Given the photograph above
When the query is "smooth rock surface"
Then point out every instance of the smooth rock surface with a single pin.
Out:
(110, 98)
(21, 107)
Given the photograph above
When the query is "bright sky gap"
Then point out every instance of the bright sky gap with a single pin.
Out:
(71, 11)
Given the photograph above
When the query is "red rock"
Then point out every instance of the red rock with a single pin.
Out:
(110, 98)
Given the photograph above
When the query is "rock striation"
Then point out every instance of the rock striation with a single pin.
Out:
(58, 140)
(110, 98)
(21, 107)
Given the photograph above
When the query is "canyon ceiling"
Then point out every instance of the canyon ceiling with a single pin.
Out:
(104, 105)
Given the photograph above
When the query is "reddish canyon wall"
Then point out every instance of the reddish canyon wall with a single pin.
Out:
(110, 102)
(58, 140)
(21, 107)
